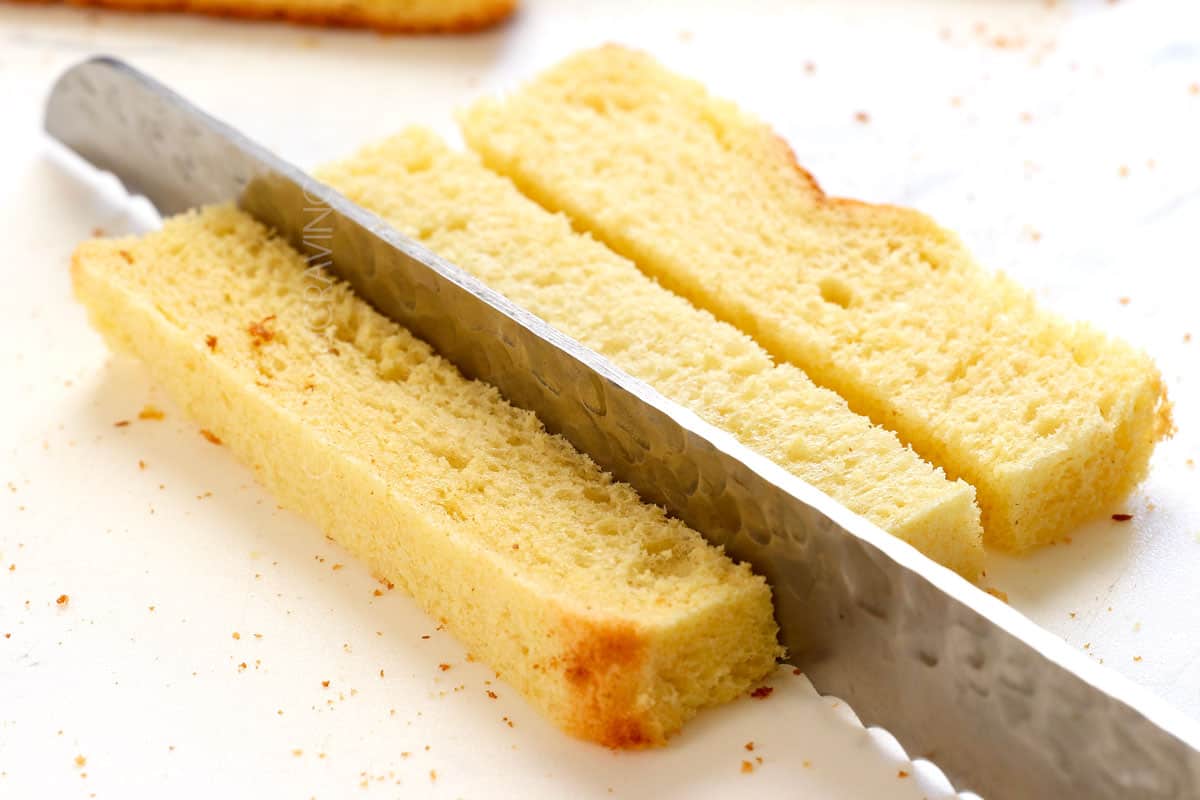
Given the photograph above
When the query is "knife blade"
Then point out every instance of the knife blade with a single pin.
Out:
(1003, 707)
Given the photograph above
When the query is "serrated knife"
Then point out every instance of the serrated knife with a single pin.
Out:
(1003, 707)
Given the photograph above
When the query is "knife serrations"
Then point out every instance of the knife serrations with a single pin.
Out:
(1004, 708)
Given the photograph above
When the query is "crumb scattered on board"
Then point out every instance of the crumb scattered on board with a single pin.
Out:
(151, 413)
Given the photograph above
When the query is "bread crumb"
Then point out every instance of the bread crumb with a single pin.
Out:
(212, 437)
(1122, 517)
(1194, 89)
(1123, 171)
(997, 593)
(901, 774)
(749, 746)
(762, 692)
(747, 766)
(97, 232)
(1137, 658)
(443, 667)
(211, 342)
(378, 592)
(141, 464)
(806, 764)
(492, 694)
(237, 635)
(297, 752)
(325, 684)
(125, 255)
(121, 423)
(433, 775)
(862, 117)
(336, 567)
(80, 761)
(63, 600)
(150, 412)
(797, 671)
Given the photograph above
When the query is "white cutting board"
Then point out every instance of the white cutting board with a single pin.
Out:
(1060, 141)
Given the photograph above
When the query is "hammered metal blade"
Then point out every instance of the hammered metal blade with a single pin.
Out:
(1003, 707)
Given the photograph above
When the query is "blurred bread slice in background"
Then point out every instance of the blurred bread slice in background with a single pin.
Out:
(389, 16)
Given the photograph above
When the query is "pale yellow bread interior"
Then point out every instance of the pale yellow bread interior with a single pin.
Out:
(413, 16)
(1052, 422)
(616, 621)
(480, 222)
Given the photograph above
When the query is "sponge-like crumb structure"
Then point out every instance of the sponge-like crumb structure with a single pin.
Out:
(616, 621)
(1052, 422)
(479, 220)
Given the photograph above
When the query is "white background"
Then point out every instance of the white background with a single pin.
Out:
(1059, 139)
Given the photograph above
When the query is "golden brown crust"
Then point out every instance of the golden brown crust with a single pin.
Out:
(847, 204)
(789, 154)
(603, 669)
(350, 18)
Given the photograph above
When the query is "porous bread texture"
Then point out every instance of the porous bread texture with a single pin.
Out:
(479, 221)
(392, 16)
(618, 622)
(1052, 422)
